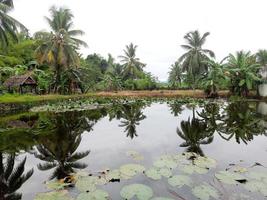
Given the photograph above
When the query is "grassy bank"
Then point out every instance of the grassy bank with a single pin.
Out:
(9, 98)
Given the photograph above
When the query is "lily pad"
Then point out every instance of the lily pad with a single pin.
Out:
(57, 185)
(161, 198)
(190, 169)
(95, 195)
(165, 161)
(153, 173)
(204, 192)
(157, 173)
(180, 180)
(113, 175)
(87, 184)
(260, 176)
(140, 191)
(55, 195)
(205, 162)
(257, 186)
(131, 170)
(229, 177)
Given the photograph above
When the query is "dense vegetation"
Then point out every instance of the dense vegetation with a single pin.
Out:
(52, 58)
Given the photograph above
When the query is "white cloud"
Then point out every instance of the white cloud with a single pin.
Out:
(157, 26)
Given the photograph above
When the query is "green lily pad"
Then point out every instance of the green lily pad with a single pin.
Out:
(153, 173)
(166, 172)
(180, 180)
(165, 161)
(205, 162)
(157, 173)
(87, 184)
(140, 191)
(190, 169)
(131, 170)
(95, 195)
(114, 174)
(260, 176)
(56, 185)
(229, 177)
(161, 198)
(55, 195)
(204, 192)
(257, 186)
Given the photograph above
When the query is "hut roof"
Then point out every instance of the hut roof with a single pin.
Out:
(15, 81)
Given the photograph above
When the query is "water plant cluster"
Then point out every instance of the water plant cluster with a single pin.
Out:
(178, 171)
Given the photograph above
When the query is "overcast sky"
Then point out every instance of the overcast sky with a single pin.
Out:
(157, 26)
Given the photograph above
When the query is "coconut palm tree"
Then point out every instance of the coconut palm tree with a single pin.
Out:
(58, 150)
(132, 66)
(243, 72)
(131, 115)
(193, 60)
(58, 48)
(12, 176)
(8, 25)
(175, 75)
(195, 132)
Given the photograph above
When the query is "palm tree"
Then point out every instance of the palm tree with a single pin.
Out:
(132, 66)
(195, 132)
(243, 72)
(193, 60)
(12, 176)
(8, 25)
(175, 75)
(59, 47)
(131, 115)
(240, 122)
(58, 150)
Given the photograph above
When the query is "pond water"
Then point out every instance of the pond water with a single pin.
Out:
(54, 145)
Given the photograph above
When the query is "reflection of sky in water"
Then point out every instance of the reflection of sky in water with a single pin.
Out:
(156, 136)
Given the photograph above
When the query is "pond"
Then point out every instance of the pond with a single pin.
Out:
(137, 150)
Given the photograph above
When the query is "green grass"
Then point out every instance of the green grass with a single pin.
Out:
(16, 98)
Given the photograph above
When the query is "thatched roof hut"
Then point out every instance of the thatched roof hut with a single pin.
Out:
(20, 82)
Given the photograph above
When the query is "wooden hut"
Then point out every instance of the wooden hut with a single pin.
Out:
(23, 83)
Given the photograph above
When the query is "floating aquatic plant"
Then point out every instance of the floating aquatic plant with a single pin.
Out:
(95, 195)
(139, 191)
(204, 192)
(180, 180)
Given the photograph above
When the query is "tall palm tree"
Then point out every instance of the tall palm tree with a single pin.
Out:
(132, 66)
(131, 115)
(59, 47)
(195, 132)
(193, 60)
(58, 151)
(175, 75)
(243, 72)
(12, 176)
(8, 25)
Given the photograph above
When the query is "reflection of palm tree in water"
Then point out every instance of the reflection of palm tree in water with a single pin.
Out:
(240, 121)
(132, 115)
(194, 132)
(12, 176)
(59, 150)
